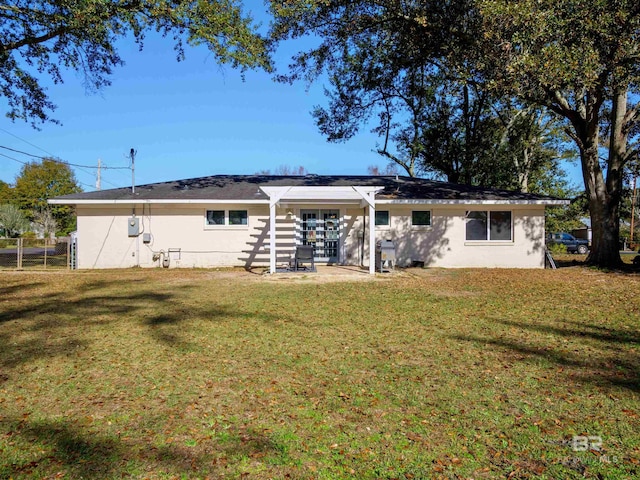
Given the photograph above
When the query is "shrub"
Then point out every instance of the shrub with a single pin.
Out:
(557, 248)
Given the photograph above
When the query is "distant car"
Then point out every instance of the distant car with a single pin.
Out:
(573, 244)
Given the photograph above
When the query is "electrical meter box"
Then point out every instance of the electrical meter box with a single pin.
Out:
(134, 226)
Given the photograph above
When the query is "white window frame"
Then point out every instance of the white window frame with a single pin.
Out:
(488, 239)
(429, 225)
(226, 224)
(384, 226)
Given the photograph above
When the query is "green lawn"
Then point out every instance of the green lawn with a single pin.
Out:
(426, 374)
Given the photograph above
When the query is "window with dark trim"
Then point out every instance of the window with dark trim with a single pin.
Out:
(226, 217)
(382, 218)
(238, 217)
(421, 218)
(489, 225)
(215, 217)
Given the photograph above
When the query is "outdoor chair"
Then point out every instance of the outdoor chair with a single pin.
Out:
(304, 255)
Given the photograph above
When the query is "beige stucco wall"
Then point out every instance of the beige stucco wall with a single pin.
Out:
(443, 244)
(103, 240)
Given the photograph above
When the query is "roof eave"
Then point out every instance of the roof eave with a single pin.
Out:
(424, 201)
(418, 201)
(138, 201)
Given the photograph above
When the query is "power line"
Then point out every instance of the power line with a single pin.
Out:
(54, 158)
(14, 159)
(27, 142)
(62, 161)
(26, 163)
(80, 167)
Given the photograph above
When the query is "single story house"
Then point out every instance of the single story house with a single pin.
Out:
(258, 220)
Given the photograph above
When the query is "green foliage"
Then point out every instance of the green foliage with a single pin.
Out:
(579, 59)
(432, 74)
(12, 221)
(405, 69)
(38, 182)
(557, 248)
(5, 192)
(43, 37)
(387, 64)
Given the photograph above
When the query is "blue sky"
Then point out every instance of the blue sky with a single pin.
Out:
(185, 119)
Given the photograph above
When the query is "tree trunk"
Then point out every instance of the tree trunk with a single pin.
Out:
(605, 225)
(604, 196)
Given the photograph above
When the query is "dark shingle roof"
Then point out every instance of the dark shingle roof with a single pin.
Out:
(246, 187)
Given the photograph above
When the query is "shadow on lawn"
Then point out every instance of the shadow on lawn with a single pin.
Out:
(612, 367)
(37, 327)
(11, 289)
(75, 453)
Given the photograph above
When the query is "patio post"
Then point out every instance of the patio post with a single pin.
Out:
(372, 236)
(272, 237)
(369, 196)
(275, 194)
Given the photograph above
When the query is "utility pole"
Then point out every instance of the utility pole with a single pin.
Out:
(132, 155)
(98, 179)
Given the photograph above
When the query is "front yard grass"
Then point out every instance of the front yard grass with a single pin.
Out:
(427, 374)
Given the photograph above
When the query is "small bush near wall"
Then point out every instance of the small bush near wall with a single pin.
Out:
(557, 249)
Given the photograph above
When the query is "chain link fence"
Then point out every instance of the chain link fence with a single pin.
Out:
(34, 254)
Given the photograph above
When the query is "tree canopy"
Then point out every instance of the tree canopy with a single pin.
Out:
(434, 77)
(41, 38)
(39, 181)
(582, 61)
(405, 69)
(5, 192)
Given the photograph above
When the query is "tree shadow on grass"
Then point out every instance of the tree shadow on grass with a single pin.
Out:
(169, 329)
(20, 288)
(64, 449)
(76, 453)
(51, 326)
(59, 324)
(612, 367)
(581, 330)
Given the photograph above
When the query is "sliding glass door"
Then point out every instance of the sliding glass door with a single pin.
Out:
(321, 229)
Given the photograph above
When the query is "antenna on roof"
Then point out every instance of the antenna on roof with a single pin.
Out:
(132, 155)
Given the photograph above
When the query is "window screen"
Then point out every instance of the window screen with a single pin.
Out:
(215, 217)
(382, 217)
(476, 225)
(238, 217)
(421, 218)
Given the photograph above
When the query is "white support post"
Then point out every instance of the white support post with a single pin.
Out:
(372, 237)
(370, 197)
(272, 238)
(275, 195)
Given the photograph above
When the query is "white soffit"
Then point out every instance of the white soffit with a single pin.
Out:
(326, 194)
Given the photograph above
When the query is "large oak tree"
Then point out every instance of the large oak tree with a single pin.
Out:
(580, 59)
(408, 71)
(42, 38)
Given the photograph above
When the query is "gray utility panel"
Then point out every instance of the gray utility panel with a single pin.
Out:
(134, 226)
